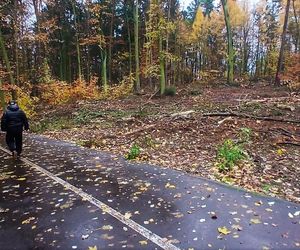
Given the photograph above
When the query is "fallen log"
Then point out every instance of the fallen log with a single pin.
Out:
(289, 143)
(242, 115)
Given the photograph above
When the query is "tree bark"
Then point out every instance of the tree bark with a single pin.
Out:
(110, 46)
(129, 42)
(2, 98)
(162, 67)
(229, 42)
(7, 64)
(137, 85)
(280, 59)
(36, 6)
(77, 42)
(104, 69)
(297, 27)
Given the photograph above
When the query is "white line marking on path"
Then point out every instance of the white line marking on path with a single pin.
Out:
(105, 208)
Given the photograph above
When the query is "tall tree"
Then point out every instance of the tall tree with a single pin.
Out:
(229, 43)
(7, 63)
(280, 59)
(2, 98)
(77, 40)
(137, 85)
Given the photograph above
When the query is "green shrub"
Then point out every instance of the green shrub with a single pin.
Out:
(229, 153)
(170, 91)
(134, 152)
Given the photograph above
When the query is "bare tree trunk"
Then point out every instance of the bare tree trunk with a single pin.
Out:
(129, 43)
(36, 6)
(7, 63)
(15, 25)
(2, 99)
(162, 67)
(280, 59)
(111, 31)
(77, 42)
(229, 41)
(136, 45)
(297, 28)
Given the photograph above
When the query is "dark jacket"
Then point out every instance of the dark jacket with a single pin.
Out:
(14, 119)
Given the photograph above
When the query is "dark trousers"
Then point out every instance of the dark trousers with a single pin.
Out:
(14, 141)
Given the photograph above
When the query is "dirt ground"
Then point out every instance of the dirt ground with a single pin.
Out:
(184, 132)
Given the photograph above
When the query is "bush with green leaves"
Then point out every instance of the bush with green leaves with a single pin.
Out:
(134, 152)
(228, 155)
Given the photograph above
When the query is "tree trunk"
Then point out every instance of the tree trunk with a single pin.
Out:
(129, 43)
(229, 41)
(36, 6)
(280, 59)
(104, 70)
(7, 63)
(110, 46)
(137, 86)
(162, 67)
(2, 98)
(297, 28)
(77, 42)
(16, 45)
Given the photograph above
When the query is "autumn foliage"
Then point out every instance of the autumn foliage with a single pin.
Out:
(292, 71)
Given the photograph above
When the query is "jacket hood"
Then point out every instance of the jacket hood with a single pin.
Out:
(13, 107)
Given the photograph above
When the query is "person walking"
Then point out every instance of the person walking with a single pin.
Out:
(13, 122)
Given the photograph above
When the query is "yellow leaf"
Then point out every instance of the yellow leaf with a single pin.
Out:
(127, 216)
(21, 179)
(93, 248)
(223, 230)
(27, 221)
(107, 227)
(171, 186)
(281, 151)
(255, 221)
(143, 242)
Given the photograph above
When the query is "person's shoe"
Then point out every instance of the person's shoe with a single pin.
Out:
(14, 154)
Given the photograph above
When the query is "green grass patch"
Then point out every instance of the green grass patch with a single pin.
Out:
(228, 155)
(133, 153)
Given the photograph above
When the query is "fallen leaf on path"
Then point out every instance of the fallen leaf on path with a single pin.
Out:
(85, 236)
(255, 221)
(28, 220)
(127, 215)
(237, 227)
(223, 230)
(93, 248)
(143, 242)
(169, 185)
(107, 227)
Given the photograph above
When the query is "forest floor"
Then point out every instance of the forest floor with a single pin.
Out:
(264, 117)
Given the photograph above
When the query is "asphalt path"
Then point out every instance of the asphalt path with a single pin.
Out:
(62, 196)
